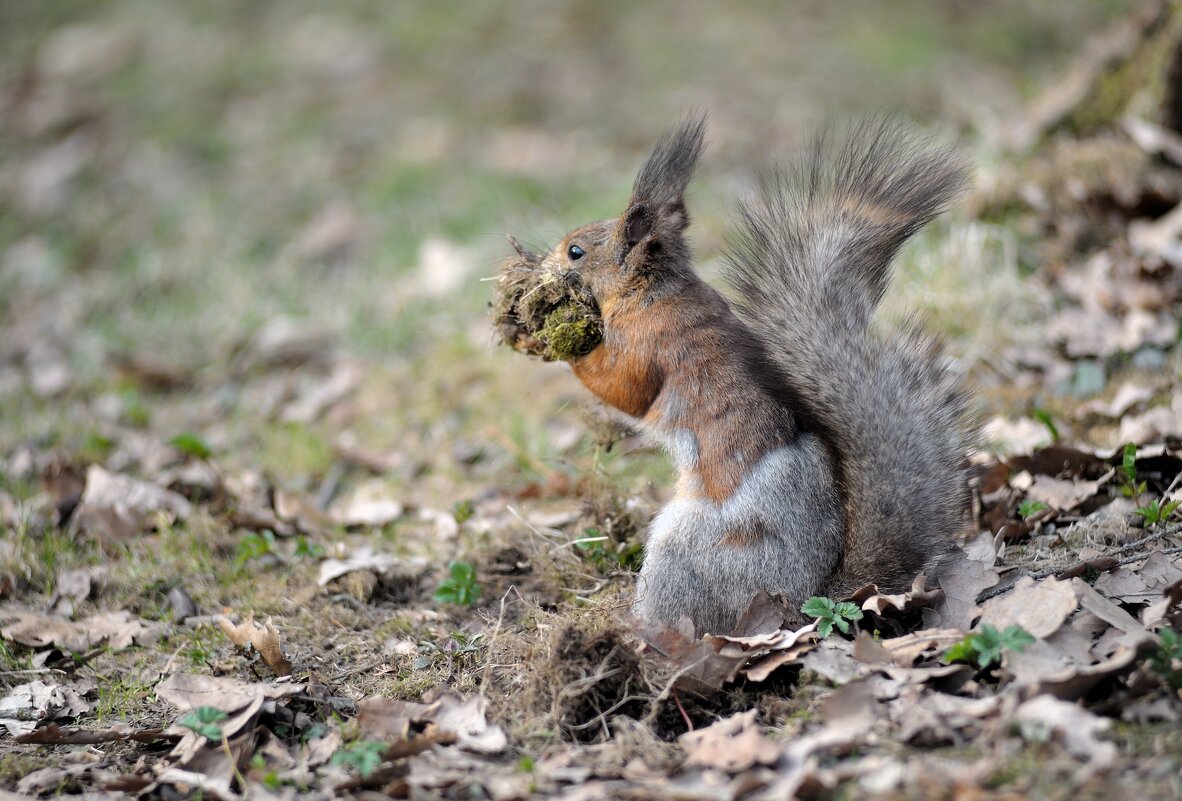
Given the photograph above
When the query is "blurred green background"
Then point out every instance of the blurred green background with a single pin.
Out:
(174, 176)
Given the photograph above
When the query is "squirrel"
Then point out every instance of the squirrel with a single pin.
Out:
(813, 455)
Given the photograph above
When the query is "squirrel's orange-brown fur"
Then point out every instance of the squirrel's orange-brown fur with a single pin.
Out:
(812, 455)
(637, 365)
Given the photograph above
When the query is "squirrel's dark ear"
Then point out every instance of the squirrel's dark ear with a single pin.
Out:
(527, 255)
(657, 205)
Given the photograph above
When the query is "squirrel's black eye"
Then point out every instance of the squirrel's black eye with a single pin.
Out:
(575, 252)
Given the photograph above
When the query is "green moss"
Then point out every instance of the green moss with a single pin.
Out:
(569, 333)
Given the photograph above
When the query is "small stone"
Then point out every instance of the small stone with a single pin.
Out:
(1089, 378)
(1149, 359)
(182, 604)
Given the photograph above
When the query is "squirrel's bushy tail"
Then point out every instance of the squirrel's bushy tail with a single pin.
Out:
(810, 262)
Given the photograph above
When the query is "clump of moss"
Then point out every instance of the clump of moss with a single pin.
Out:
(569, 332)
(543, 314)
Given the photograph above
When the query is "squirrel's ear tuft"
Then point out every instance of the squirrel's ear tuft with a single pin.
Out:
(658, 196)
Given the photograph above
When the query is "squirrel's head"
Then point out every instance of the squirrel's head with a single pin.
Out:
(646, 244)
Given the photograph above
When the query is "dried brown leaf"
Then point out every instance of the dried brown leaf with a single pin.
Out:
(931, 718)
(1171, 597)
(117, 630)
(1160, 570)
(191, 784)
(389, 719)
(1087, 332)
(1126, 586)
(286, 341)
(366, 558)
(1006, 436)
(26, 705)
(264, 639)
(72, 588)
(1064, 495)
(1040, 608)
(450, 717)
(465, 718)
(372, 504)
(759, 668)
(1128, 396)
(1110, 613)
(910, 647)
(322, 395)
(871, 600)
(1060, 460)
(763, 614)
(871, 651)
(1059, 678)
(119, 507)
(834, 660)
(188, 691)
(53, 734)
(962, 578)
(1153, 425)
(733, 745)
(698, 664)
(1076, 728)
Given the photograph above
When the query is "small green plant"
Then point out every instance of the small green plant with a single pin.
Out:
(308, 550)
(831, 613)
(1044, 417)
(459, 647)
(985, 645)
(191, 445)
(253, 545)
(463, 511)
(135, 413)
(1157, 512)
(460, 587)
(95, 447)
(270, 779)
(1169, 651)
(604, 554)
(1127, 475)
(8, 659)
(200, 650)
(1030, 507)
(364, 755)
(204, 721)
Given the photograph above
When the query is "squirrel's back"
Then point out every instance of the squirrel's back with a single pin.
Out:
(810, 263)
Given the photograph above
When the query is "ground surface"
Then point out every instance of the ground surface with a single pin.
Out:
(246, 374)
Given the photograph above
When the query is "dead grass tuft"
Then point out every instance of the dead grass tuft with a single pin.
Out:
(569, 674)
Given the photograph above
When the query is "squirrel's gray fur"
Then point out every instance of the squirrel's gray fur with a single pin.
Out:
(809, 264)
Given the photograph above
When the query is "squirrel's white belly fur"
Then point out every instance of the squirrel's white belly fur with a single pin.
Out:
(690, 570)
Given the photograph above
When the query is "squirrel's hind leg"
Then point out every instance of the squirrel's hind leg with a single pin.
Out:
(696, 566)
